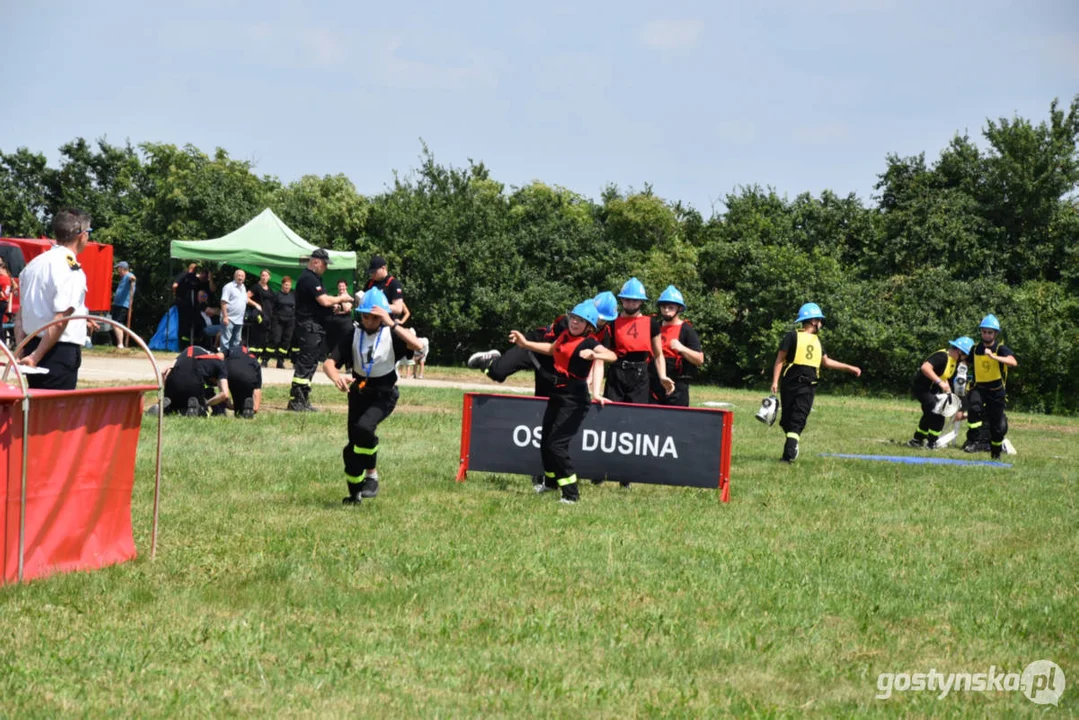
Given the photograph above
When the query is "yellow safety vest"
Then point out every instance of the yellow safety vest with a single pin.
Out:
(807, 352)
(949, 369)
(988, 371)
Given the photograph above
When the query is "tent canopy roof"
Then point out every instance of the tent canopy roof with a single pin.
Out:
(265, 241)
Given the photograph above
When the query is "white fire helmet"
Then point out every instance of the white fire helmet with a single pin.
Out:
(768, 409)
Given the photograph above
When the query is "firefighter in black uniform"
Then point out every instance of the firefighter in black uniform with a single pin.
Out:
(799, 360)
(986, 399)
(630, 338)
(245, 381)
(284, 323)
(372, 351)
(677, 349)
(932, 380)
(574, 352)
(259, 320)
(313, 306)
(390, 286)
(197, 380)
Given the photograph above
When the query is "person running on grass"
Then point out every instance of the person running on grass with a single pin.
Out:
(371, 350)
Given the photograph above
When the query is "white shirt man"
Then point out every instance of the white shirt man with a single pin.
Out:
(53, 286)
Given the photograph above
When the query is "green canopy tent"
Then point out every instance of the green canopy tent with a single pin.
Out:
(266, 243)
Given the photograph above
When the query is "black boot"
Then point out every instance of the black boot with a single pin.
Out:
(790, 450)
(307, 406)
(353, 497)
(296, 398)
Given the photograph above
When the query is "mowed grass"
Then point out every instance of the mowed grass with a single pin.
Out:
(481, 598)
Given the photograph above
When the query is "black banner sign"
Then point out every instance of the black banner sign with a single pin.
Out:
(621, 442)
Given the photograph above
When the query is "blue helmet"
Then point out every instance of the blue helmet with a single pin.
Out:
(672, 295)
(809, 311)
(587, 312)
(606, 305)
(633, 290)
(963, 344)
(990, 322)
(373, 298)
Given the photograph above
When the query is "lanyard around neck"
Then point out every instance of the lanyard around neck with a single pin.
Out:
(371, 352)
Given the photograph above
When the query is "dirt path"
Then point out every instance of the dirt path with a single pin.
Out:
(104, 368)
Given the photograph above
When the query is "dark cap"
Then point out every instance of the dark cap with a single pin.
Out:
(377, 261)
(320, 254)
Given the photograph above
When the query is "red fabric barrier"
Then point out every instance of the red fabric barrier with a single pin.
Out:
(80, 474)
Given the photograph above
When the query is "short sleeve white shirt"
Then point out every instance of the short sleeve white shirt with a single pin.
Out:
(53, 283)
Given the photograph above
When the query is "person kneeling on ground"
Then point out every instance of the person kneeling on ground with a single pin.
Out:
(799, 360)
(245, 381)
(574, 351)
(197, 381)
(931, 381)
(371, 350)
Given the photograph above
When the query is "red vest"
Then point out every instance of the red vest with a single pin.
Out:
(667, 333)
(563, 350)
(632, 334)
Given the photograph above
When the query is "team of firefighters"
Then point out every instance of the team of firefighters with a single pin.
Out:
(604, 349)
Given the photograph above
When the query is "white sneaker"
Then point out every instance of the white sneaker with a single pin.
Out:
(541, 488)
(567, 501)
(484, 359)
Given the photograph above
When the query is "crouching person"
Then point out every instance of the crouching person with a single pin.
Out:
(196, 382)
(245, 381)
(933, 379)
(371, 350)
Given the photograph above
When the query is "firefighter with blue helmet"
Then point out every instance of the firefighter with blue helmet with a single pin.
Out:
(677, 350)
(932, 380)
(371, 349)
(575, 350)
(798, 364)
(630, 337)
(990, 360)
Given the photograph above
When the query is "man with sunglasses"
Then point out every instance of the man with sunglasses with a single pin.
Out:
(53, 287)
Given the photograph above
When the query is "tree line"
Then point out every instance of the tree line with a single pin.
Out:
(943, 242)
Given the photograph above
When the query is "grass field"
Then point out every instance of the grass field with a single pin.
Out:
(481, 598)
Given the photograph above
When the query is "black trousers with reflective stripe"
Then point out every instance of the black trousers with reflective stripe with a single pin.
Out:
(310, 337)
(281, 338)
(365, 411)
(795, 402)
(258, 338)
(931, 423)
(987, 407)
(566, 411)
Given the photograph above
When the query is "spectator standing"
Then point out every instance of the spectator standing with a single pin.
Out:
(261, 330)
(234, 302)
(284, 322)
(121, 299)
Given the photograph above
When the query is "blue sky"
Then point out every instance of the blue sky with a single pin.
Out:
(695, 98)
